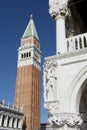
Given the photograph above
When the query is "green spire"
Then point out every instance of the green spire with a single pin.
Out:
(31, 29)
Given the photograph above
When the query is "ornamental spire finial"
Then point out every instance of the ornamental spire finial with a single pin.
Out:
(31, 16)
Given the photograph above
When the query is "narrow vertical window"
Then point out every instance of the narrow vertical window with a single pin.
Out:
(21, 56)
(76, 44)
(80, 42)
(85, 42)
(67, 45)
(29, 54)
(24, 55)
(47, 95)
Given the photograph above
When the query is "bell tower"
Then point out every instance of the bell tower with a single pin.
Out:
(27, 92)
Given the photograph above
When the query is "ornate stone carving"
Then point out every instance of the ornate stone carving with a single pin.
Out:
(56, 121)
(56, 2)
(49, 64)
(50, 80)
(71, 120)
(58, 8)
(52, 106)
(74, 121)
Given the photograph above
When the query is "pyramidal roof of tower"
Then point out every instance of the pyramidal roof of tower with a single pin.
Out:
(30, 29)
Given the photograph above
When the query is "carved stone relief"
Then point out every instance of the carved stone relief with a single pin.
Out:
(50, 80)
(52, 106)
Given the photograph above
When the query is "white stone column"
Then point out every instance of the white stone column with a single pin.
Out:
(60, 35)
(10, 122)
(5, 121)
(59, 11)
(15, 123)
(20, 122)
(1, 119)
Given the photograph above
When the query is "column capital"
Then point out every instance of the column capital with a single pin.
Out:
(59, 8)
(69, 119)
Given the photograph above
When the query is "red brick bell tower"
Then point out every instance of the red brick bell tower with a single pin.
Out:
(27, 93)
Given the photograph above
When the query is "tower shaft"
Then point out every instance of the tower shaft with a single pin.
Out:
(27, 93)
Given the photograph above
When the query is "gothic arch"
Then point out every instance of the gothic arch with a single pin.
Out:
(76, 90)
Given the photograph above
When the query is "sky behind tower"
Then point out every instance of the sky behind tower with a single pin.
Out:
(14, 17)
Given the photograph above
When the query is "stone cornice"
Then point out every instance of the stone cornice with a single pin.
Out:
(70, 57)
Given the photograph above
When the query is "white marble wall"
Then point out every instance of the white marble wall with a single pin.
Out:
(69, 74)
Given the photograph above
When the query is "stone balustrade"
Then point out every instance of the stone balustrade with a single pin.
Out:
(76, 42)
(3, 105)
(10, 117)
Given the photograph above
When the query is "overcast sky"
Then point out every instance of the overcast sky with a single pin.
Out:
(14, 17)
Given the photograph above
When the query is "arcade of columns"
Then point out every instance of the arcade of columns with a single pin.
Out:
(10, 117)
